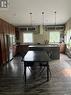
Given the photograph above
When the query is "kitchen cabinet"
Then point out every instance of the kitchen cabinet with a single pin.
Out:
(7, 36)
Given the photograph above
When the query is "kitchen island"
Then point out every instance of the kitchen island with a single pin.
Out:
(52, 49)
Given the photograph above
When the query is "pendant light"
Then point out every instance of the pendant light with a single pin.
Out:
(30, 18)
(55, 20)
(42, 25)
(43, 20)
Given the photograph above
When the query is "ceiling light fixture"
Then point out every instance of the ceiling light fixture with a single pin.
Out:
(43, 21)
(30, 19)
(55, 19)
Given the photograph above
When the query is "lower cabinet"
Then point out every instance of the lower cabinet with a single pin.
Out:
(6, 52)
(6, 56)
(12, 52)
(55, 53)
(62, 47)
(21, 49)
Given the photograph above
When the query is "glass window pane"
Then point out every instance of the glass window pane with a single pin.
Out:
(54, 37)
(68, 38)
(27, 37)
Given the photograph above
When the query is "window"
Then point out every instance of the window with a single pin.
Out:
(54, 37)
(68, 38)
(27, 37)
(13, 37)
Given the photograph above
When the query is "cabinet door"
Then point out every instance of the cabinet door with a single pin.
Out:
(0, 26)
(0, 53)
(3, 48)
(5, 40)
(5, 31)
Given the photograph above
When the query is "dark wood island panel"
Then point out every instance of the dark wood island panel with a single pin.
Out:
(52, 50)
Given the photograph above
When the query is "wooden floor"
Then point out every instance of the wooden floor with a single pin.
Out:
(12, 78)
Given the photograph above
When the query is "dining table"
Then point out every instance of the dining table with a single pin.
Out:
(39, 57)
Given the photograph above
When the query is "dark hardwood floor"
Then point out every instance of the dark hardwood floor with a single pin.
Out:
(12, 78)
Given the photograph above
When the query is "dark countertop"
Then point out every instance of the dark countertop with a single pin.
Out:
(43, 46)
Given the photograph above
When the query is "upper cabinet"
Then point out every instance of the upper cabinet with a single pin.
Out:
(34, 28)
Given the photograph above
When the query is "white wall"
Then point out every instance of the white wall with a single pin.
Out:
(68, 25)
(68, 33)
(41, 37)
(38, 37)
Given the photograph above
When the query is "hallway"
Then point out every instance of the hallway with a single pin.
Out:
(12, 79)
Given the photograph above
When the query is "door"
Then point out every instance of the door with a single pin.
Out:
(7, 38)
(0, 53)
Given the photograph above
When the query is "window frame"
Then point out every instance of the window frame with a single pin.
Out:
(28, 33)
(54, 40)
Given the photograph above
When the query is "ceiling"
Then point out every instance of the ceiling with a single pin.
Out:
(18, 11)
